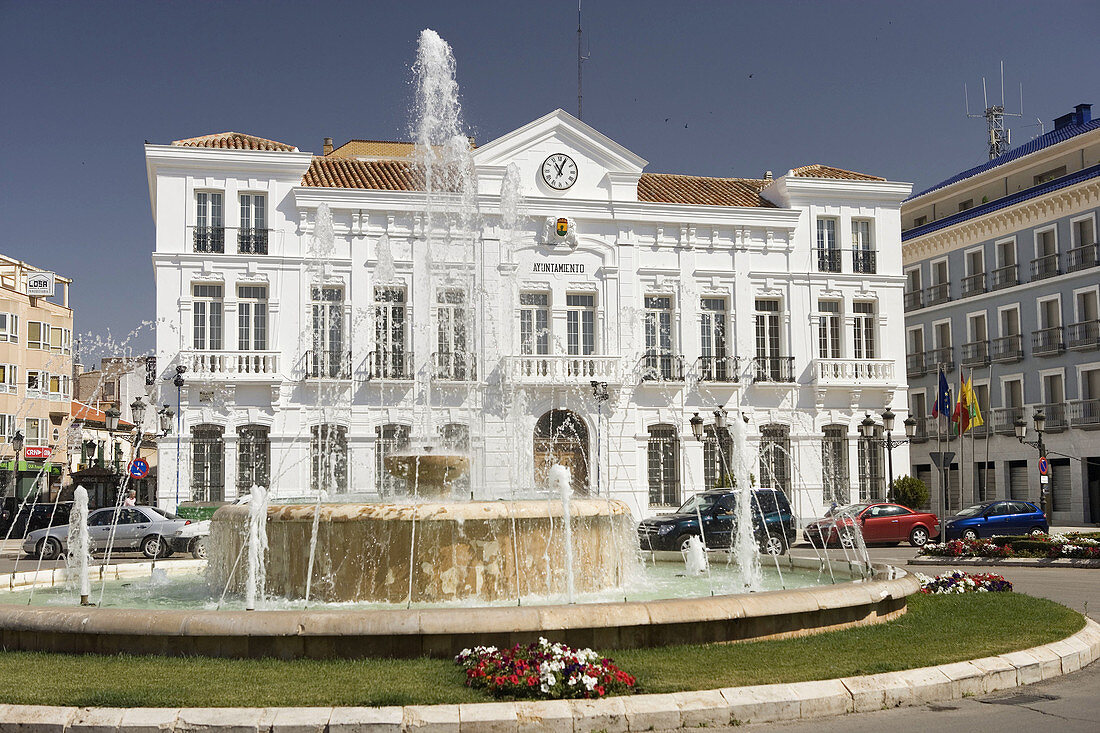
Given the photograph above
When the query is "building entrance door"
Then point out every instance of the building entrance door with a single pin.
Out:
(561, 437)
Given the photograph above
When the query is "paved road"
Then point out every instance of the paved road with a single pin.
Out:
(13, 560)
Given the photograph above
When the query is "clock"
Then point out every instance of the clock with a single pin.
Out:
(559, 171)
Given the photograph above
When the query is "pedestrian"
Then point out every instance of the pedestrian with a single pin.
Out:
(131, 498)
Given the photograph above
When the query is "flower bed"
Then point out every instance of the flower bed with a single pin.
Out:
(1075, 545)
(543, 670)
(957, 581)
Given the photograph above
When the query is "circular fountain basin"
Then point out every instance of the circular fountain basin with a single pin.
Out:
(433, 552)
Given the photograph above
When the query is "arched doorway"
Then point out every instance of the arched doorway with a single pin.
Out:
(561, 437)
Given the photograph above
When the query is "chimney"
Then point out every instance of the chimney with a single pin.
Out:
(1084, 113)
(327, 150)
(767, 175)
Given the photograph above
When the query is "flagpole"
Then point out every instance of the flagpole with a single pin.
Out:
(964, 404)
(939, 446)
(988, 437)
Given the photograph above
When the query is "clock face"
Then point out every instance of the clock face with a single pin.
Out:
(559, 171)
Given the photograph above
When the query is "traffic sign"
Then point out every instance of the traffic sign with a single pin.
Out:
(1044, 469)
(943, 458)
(138, 468)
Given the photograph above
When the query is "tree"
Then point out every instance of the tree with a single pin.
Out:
(909, 491)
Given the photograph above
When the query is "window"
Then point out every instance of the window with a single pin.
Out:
(968, 204)
(985, 481)
(828, 329)
(872, 473)
(252, 318)
(38, 335)
(1006, 253)
(580, 324)
(61, 340)
(717, 453)
(769, 360)
(775, 458)
(864, 325)
(252, 236)
(8, 378)
(60, 387)
(1050, 175)
(328, 358)
(828, 250)
(209, 224)
(7, 427)
(1084, 232)
(863, 251)
(664, 470)
(658, 337)
(920, 221)
(37, 382)
(390, 439)
(207, 313)
(1046, 243)
(712, 339)
(454, 355)
(534, 323)
(389, 333)
(9, 327)
(328, 458)
(36, 434)
(207, 463)
(834, 464)
(253, 458)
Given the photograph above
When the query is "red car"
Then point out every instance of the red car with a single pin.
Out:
(879, 523)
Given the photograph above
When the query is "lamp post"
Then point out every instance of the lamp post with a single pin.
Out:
(110, 417)
(165, 414)
(599, 391)
(867, 430)
(17, 445)
(1040, 421)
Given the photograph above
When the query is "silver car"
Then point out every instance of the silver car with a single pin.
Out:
(151, 530)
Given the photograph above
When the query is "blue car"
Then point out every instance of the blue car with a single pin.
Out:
(996, 518)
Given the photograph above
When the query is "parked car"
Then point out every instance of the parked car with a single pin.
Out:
(879, 523)
(773, 523)
(996, 518)
(151, 530)
(18, 518)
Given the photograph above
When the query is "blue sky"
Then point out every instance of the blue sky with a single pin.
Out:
(703, 88)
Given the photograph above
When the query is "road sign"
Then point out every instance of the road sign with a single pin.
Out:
(1044, 468)
(943, 458)
(1044, 479)
(138, 468)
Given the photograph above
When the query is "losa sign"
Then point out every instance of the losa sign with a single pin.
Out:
(40, 284)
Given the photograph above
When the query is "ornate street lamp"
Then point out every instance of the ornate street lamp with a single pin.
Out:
(165, 414)
(1040, 421)
(137, 411)
(17, 445)
(697, 426)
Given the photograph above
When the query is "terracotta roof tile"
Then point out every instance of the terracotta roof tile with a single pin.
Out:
(234, 141)
(817, 170)
(675, 189)
(373, 149)
(383, 175)
(81, 411)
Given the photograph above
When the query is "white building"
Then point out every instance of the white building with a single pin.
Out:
(781, 298)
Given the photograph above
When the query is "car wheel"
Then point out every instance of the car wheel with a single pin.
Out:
(1036, 530)
(918, 537)
(198, 548)
(773, 545)
(969, 535)
(681, 541)
(847, 539)
(150, 546)
(49, 549)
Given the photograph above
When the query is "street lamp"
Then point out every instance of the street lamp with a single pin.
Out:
(17, 445)
(599, 391)
(111, 415)
(165, 414)
(697, 426)
(137, 410)
(867, 430)
(1040, 421)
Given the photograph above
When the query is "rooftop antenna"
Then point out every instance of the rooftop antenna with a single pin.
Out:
(581, 57)
(1000, 138)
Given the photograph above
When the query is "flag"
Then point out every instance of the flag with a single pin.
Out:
(960, 418)
(942, 405)
(976, 420)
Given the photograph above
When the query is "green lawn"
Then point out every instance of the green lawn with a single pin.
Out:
(937, 630)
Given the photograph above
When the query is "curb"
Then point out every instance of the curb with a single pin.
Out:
(1003, 562)
(704, 708)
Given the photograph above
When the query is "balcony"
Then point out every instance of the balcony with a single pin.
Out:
(913, 300)
(828, 259)
(1083, 336)
(914, 365)
(973, 285)
(863, 261)
(658, 367)
(777, 369)
(1005, 277)
(725, 369)
(1084, 414)
(1006, 349)
(936, 294)
(1056, 416)
(454, 366)
(1044, 267)
(975, 353)
(1047, 341)
(983, 430)
(924, 429)
(943, 356)
(851, 372)
(396, 365)
(328, 364)
(209, 239)
(1081, 258)
(232, 365)
(1004, 419)
(252, 241)
(558, 370)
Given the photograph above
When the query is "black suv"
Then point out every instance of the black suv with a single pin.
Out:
(19, 519)
(773, 523)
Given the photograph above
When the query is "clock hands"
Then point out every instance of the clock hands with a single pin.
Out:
(560, 167)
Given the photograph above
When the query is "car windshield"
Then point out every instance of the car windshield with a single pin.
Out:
(972, 511)
(852, 509)
(168, 515)
(701, 501)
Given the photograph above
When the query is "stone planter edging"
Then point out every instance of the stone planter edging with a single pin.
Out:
(696, 709)
(1007, 562)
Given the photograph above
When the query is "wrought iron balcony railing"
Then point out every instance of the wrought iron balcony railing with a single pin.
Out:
(1083, 336)
(1044, 267)
(914, 365)
(1005, 277)
(973, 285)
(455, 366)
(943, 356)
(1085, 413)
(773, 369)
(1047, 341)
(1080, 258)
(395, 364)
(209, 239)
(1006, 348)
(1004, 419)
(936, 294)
(252, 241)
(913, 300)
(718, 368)
(828, 259)
(1057, 419)
(328, 364)
(658, 367)
(863, 261)
(975, 353)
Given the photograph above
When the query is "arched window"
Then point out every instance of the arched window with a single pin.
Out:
(834, 464)
(717, 456)
(253, 458)
(207, 463)
(328, 454)
(562, 437)
(663, 456)
(775, 458)
(390, 438)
